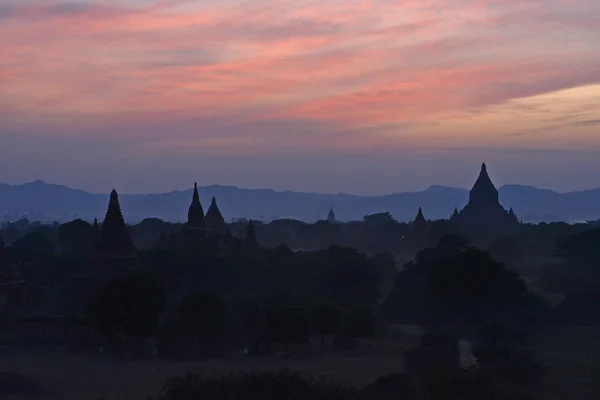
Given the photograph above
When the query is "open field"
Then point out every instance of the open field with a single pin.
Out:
(570, 356)
(73, 377)
(571, 360)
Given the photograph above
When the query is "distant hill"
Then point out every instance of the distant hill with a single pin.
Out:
(48, 202)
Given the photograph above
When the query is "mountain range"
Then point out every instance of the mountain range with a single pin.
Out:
(48, 202)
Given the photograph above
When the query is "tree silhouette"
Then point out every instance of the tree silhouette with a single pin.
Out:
(127, 306)
(289, 325)
(203, 313)
(76, 236)
(325, 319)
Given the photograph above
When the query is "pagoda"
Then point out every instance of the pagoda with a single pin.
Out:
(331, 216)
(114, 249)
(195, 212)
(114, 256)
(484, 209)
(418, 233)
(196, 224)
(214, 219)
(420, 222)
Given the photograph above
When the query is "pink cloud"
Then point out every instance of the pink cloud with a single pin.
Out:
(354, 63)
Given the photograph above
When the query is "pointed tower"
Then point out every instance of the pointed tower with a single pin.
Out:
(484, 209)
(484, 192)
(418, 233)
(113, 234)
(455, 214)
(214, 219)
(420, 219)
(114, 247)
(250, 241)
(114, 256)
(195, 212)
(512, 215)
(331, 216)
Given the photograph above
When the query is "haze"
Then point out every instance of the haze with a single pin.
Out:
(358, 96)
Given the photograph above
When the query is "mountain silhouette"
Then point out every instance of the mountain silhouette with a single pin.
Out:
(48, 202)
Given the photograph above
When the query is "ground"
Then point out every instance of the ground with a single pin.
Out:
(570, 356)
(64, 376)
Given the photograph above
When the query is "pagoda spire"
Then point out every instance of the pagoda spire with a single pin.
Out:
(195, 212)
(214, 219)
(512, 215)
(455, 214)
(331, 216)
(484, 191)
(114, 237)
(420, 218)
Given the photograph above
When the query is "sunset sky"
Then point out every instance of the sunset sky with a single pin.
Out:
(356, 96)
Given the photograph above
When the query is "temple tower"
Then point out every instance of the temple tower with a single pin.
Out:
(455, 214)
(331, 216)
(418, 233)
(214, 219)
(420, 222)
(195, 212)
(114, 248)
(484, 209)
(114, 256)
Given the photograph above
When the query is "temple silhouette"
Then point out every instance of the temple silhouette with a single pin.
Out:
(484, 209)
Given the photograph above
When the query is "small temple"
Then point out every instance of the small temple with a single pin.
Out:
(418, 233)
(331, 216)
(420, 221)
(214, 219)
(484, 208)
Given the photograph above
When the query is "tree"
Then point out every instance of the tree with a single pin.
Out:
(36, 243)
(470, 284)
(350, 278)
(360, 323)
(506, 250)
(289, 325)
(76, 236)
(325, 319)
(203, 313)
(127, 306)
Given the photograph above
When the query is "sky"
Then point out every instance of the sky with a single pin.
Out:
(355, 96)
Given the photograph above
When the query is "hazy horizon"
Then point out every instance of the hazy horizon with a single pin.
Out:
(369, 98)
(460, 184)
